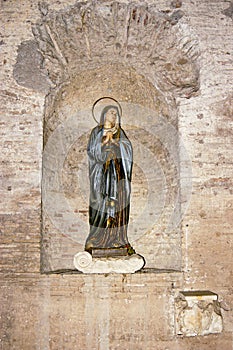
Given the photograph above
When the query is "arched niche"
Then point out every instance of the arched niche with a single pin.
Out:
(150, 123)
(144, 58)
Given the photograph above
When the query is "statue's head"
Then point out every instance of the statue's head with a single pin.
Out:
(111, 114)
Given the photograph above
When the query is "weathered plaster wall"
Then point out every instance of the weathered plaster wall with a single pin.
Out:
(114, 312)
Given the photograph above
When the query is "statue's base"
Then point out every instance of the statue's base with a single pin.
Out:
(84, 262)
(109, 252)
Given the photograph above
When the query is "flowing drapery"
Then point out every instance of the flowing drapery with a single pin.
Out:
(110, 169)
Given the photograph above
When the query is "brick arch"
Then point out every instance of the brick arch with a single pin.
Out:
(158, 44)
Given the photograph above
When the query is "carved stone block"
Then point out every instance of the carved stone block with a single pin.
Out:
(198, 313)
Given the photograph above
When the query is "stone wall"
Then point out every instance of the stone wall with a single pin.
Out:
(172, 57)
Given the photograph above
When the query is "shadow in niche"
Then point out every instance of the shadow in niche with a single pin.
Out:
(142, 271)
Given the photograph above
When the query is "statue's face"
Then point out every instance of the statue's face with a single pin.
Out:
(111, 116)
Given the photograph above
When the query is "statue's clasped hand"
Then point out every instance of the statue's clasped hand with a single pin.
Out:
(107, 138)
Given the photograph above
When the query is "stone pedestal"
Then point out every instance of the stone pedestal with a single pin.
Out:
(84, 262)
(198, 313)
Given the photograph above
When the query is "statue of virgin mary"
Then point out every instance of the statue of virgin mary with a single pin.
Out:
(110, 168)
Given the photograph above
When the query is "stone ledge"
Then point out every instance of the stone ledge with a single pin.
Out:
(172, 281)
(147, 270)
(196, 295)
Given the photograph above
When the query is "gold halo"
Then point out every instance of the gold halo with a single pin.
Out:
(103, 98)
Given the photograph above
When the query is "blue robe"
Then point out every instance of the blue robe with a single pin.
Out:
(110, 170)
